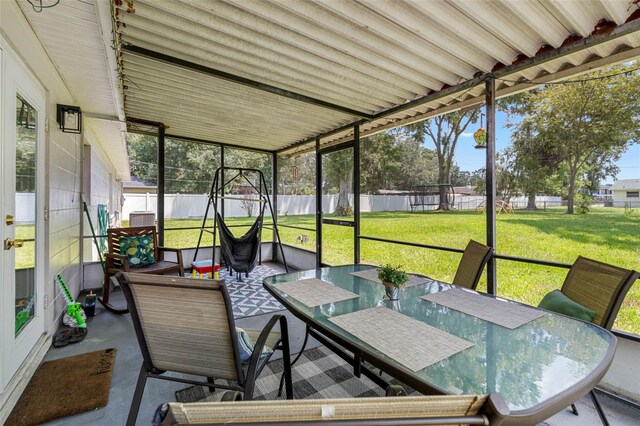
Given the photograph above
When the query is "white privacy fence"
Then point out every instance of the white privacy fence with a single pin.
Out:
(25, 210)
(182, 206)
(185, 206)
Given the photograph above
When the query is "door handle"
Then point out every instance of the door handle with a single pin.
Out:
(8, 243)
(9, 220)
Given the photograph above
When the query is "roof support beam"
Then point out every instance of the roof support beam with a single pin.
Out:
(188, 138)
(150, 54)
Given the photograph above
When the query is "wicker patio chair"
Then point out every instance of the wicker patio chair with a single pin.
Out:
(186, 325)
(417, 410)
(600, 287)
(474, 258)
(115, 261)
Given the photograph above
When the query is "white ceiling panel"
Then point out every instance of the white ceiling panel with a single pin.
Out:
(72, 34)
(376, 63)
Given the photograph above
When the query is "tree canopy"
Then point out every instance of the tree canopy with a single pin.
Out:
(573, 133)
(189, 166)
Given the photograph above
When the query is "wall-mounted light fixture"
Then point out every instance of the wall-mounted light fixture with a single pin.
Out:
(69, 118)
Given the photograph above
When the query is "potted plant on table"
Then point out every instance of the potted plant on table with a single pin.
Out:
(393, 278)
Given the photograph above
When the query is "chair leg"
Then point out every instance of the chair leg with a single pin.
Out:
(106, 287)
(574, 409)
(304, 345)
(211, 388)
(603, 417)
(286, 358)
(137, 397)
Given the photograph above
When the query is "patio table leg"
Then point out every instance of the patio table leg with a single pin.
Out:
(603, 417)
(357, 367)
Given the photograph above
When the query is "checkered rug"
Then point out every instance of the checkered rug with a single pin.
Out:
(249, 297)
(319, 373)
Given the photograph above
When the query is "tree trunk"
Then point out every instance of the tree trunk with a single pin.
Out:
(572, 189)
(531, 201)
(443, 179)
(343, 208)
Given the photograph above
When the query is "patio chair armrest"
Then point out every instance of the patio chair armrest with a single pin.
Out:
(110, 257)
(115, 256)
(177, 251)
(254, 362)
(496, 409)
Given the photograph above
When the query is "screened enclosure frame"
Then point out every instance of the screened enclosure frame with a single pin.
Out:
(355, 143)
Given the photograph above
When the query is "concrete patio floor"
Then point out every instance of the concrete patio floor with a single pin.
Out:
(107, 330)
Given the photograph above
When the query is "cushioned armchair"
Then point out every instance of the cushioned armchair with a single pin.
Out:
(186, 325)
(135, 249)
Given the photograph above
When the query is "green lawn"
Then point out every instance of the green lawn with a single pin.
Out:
(25, 255)
(605, 234)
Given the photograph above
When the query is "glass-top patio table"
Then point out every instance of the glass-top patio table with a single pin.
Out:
(538, 368)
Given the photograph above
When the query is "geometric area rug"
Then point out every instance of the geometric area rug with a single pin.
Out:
(65, 386)
(248, 297)
(318, 374)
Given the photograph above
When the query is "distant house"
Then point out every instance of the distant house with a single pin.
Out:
(137, 186)
(465, 190)
(626, 191)
(605, 193)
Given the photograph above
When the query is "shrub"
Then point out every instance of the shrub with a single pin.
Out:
(583, 203)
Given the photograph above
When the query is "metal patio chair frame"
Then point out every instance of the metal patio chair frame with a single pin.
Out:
(392, 410)
(602, 288)
(186, 326)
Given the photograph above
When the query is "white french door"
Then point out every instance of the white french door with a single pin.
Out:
(22, 132)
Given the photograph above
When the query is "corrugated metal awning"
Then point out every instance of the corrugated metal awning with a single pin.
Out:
(272, 74)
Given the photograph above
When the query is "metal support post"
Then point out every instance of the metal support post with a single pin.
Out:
(490, 104)
(318, 205)
(356, 194)
(222, 148)
(274, 192)
(161, 185)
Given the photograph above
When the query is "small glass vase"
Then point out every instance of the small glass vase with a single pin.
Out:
(392, 292)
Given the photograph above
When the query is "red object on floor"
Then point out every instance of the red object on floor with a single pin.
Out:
(203, 267)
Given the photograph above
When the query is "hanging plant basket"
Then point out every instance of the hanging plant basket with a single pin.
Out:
(480, 136)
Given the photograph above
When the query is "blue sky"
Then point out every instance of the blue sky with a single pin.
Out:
(469, 158)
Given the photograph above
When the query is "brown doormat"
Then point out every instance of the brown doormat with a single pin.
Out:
(64, 387)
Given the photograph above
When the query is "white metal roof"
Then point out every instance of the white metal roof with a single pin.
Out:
(365, 57)
(622, 184)
(271, 74)
(72, 35)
